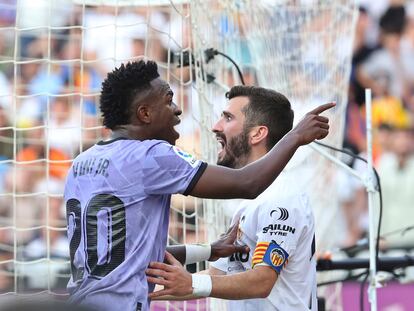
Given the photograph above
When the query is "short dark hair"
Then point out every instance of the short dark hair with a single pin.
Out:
(393, 21)
(266, 107)
(120, 88)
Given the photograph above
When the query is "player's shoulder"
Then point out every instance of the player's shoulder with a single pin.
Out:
(285, 194)
(85, 154)
(285, 202)
(163, 148)
(132, 146)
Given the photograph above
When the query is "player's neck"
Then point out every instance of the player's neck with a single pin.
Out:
(255, 154)
(131, 132)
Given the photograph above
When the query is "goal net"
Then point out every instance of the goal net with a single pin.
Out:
(53, 57)
(302, 49)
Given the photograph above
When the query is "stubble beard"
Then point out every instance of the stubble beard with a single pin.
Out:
(237, 151)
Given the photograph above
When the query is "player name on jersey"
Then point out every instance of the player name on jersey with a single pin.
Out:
(91, 166)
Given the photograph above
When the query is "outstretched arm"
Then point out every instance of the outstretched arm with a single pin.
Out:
(255, 283)
(248, 182)
(223, 247)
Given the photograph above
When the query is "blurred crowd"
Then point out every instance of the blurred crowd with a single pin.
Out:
(56, 72)
(56, 78)
(383, 60)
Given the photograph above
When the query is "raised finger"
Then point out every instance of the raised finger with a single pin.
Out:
(232, 231)
(233, 227)
(322, 108)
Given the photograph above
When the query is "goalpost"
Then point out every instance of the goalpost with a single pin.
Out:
(54, 56)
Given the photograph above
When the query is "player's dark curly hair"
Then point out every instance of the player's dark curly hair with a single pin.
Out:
(120, 88)
(266, 107)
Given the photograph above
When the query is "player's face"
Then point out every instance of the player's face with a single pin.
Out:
(165, 113)
(231, 135)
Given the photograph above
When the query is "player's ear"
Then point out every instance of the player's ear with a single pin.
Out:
(258, 134)
(143, 113)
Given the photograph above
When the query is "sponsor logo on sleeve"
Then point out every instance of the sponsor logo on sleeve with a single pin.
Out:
(278, 230)
(186, 156)
(282, 212)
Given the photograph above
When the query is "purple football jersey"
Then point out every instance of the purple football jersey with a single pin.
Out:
(117, 198)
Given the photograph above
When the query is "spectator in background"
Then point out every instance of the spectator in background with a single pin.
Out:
(30, 169)
(80, 79)
(396, 169)
(407, 49)
(6, 136)
(6, 248)
(388, 61)
(64, 126)
(35, 149)
(387, 111)
(362, 49)
(50, 242)
(6, 145)
(8, 12)
(353, 199)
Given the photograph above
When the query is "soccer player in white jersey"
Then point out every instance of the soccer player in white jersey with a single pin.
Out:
(118, 192)
(279, 273)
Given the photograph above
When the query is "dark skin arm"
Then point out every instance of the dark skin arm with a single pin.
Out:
(248, 182)
(223, 247)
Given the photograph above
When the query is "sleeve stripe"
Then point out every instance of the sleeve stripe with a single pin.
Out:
(260, 250)
(259, 253)
(196, 177)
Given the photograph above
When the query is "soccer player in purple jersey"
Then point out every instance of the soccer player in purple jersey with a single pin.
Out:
(118, 192)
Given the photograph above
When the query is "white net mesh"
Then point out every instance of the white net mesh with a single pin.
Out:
(53, 56)
(302, 49)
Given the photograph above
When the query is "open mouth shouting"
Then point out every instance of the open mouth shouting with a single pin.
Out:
(221, 139)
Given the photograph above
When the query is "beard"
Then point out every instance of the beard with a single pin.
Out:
(236, 150)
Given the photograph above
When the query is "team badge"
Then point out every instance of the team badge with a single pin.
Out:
(270, 253)
(276, 257)
(186, 156)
